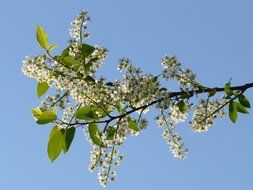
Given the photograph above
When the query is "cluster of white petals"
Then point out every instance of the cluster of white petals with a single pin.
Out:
(205, 113)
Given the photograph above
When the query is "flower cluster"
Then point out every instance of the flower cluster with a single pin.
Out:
(105, 157)
(172, 70)
(79, 25)
(174, 141)
(205, 113)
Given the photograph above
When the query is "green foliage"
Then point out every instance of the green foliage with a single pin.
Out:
(227, 88)
(56, 143)
(87, 50)
(240, 108)
(86, 113)
(111, 131)
(36, 112)
(42, 37)
(132, 125)
(42, 88)
(232, 111)
(59, 140)
(69, 136)
(182, 107)
(212, 93)
(244, 101)
(46, 117)
(51, 47)
(91, 113)
(185, 95)
(95, 134)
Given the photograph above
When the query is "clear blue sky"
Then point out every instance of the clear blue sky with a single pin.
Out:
(213, 37)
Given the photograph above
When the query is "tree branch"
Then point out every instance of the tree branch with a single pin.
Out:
(241, 88)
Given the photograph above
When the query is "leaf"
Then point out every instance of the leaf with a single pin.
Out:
(110, 132)
(54, 130)
(227, 88)
(51, 47)
(46, 117)
(240, 108)
(132, 125)
(185, 95)
(54, 109)
(89, 79)
(95, 134)
(154, 80)
(42, 88)
(69, 136)
(244, 101)
(55, 143)
(182, 107)
(70, 61)
(119, 108)
(211, 93)
(86, 113)
(101, 113)
(36, 112)
(232, 111)
(87, 50)
(199, 86)
(42, 37)
(65, 52)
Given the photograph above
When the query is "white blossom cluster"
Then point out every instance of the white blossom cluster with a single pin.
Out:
(107, 156)
(176, 145)
(36, 68)
(205, 113)
(176, 115)
(172, 70)
(79, 26)
(78, 85)
(136, 88)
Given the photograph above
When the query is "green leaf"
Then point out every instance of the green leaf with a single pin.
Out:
(244, 101)
(232, 111)
(51, 47)
(240, 108)
(54, 130)
(212, 93)
(198, 85)
(89, 79)
(42, 88)
(86, 113)
(42, 37)
(110, 132)
(46, 117)
(87, 50)
(65, 52)
(119, 108)
(227, 88)
(132, 125)
(55, 143)
(154, 80)
(236, 92)
(70, 61)
(54, 109)
(184, 95)
(36, 112)
(95, 134)
(69, 136)
(182, 107)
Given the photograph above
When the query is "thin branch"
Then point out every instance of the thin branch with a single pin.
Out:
(242, 88)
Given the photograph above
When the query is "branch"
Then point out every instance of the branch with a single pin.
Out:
(241, 88)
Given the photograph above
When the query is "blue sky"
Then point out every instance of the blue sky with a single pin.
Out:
(213, 37)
